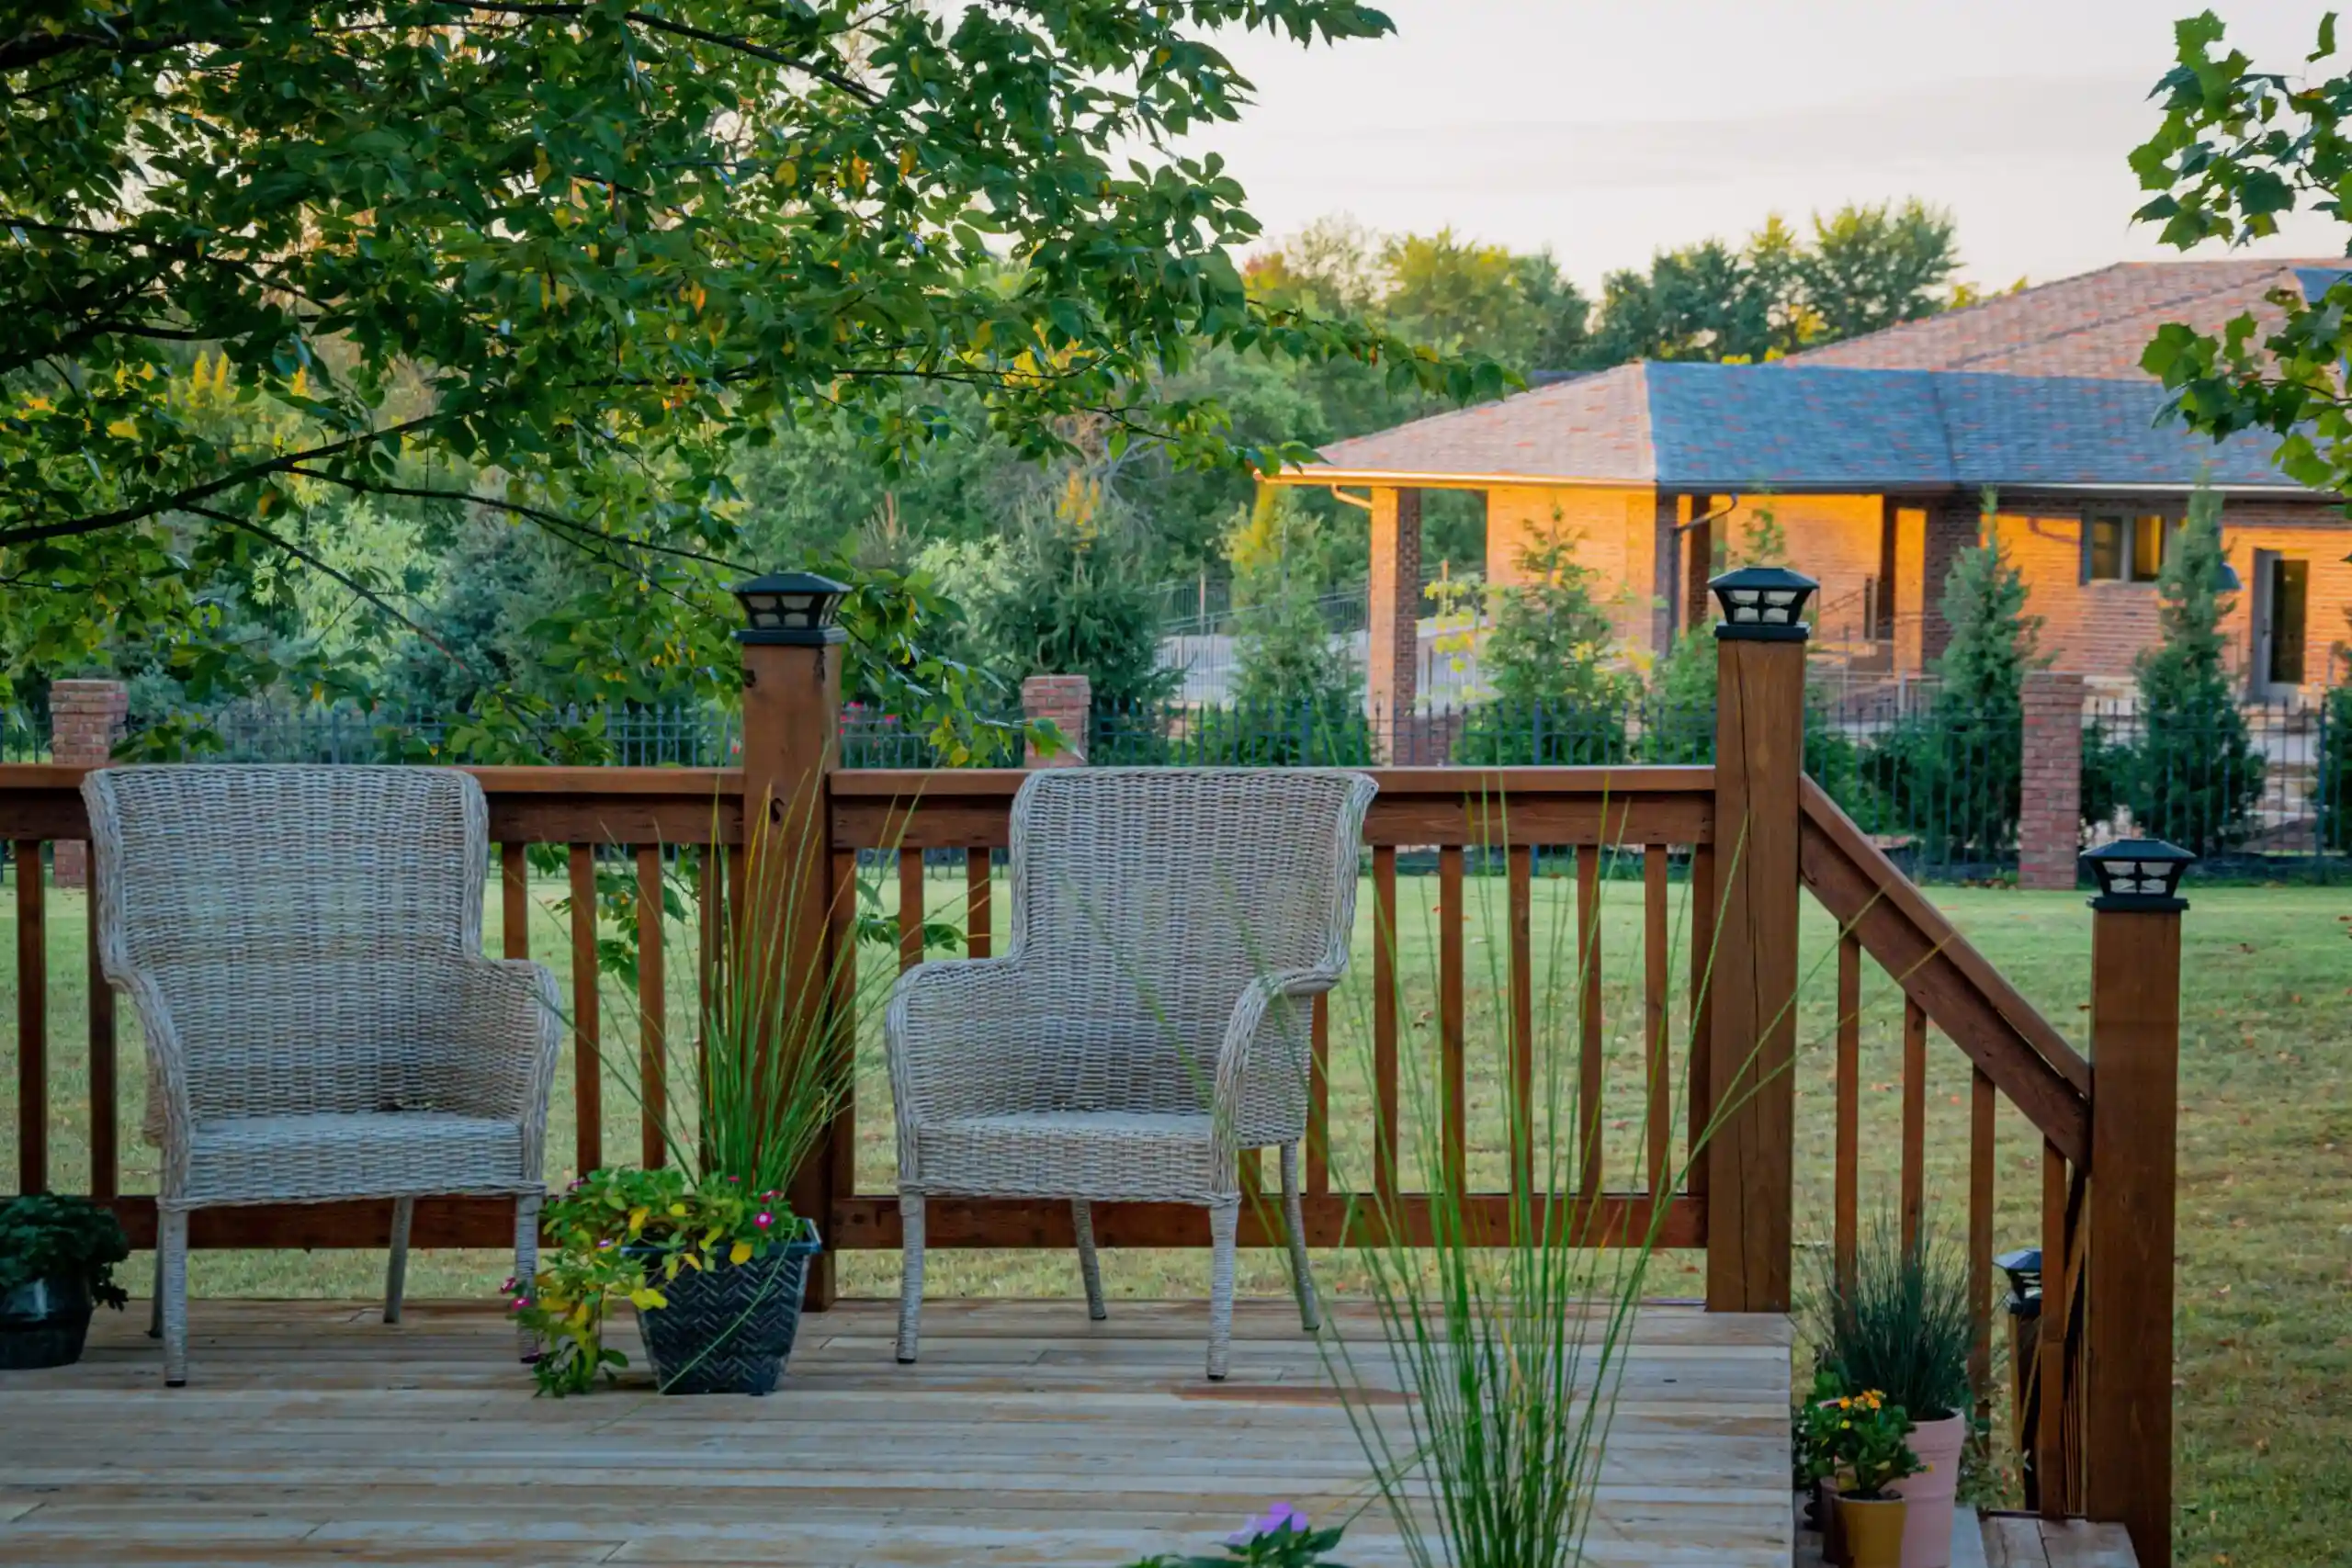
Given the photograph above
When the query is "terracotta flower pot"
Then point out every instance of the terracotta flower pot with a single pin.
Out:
(1927, 1528)
(1873, 1531)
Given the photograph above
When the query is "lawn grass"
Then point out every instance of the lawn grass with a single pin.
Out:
(2266, 1285)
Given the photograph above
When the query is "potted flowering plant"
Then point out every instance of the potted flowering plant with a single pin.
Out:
(1900, 1325)
(1859, 1441)
(713, 1268)
(704, 1247)
(56, 1258)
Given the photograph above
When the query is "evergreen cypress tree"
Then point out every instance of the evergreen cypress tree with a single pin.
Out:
(2194, 776)
(1558, 697)
(1297, 692)
(1953, 777)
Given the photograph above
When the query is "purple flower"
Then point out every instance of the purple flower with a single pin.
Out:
(521, 1302)
(1277, 1519)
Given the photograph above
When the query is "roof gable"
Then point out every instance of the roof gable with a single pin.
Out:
(2097, 324)
(1800, 427)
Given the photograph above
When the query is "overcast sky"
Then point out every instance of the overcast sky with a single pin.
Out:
(1610, 128)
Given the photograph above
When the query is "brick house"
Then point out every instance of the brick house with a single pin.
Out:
(1871, 456)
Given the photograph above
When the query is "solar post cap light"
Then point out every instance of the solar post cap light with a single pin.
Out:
(2138, 874)
(1762, 604)
(795, 608)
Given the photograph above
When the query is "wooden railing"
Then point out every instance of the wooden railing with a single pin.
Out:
(1660, 817)
(642, 813)
(1745, 835)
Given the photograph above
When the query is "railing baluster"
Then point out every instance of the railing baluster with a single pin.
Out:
(1654, 989)
(1522, 1018)
(1700, 1070)
(840, 919)
(1915, 1120)
(1849, 1095)
(1319, 1098)
(105, 1112)
(910, 908)
(1980, 1240)
(587, 1062)
(1451, 1044)
(32, 1022)
(1383, 1019)
(513, 901)
(1589, 1054)
(653, 1009)
(979, 906)
(2050, 1439)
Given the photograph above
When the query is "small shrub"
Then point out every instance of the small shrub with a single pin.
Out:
(45, 1236)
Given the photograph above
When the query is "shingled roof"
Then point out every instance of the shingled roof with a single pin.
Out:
(1797, 425)
(2095, 325)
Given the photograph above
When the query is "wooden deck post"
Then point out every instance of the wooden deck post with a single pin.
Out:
(2135, 1114)
(1760, 762)
(792, 724)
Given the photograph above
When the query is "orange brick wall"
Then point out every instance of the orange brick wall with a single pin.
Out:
(2097, 629)
(1834, 539)
(1614, 530)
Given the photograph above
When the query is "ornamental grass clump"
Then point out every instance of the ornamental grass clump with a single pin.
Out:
(1901, 1325)
(773, 1060)
(1511, 1347)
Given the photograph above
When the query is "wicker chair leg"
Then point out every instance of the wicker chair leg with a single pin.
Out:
(1225, 1225)
(171, 1247)
(1302, 1277)
(156, 1304)
(1082, 1219)
(910, 1275)
(526, 1259)
(396, 1269)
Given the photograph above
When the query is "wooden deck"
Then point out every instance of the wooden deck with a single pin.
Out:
(311, 1433)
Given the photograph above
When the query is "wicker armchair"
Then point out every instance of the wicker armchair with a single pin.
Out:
(304, 948)
(1150, 1019)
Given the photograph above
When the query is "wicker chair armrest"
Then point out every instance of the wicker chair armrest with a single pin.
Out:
(509, 1030)
(1236, 1057)
(959, 1037)
(166, 1056)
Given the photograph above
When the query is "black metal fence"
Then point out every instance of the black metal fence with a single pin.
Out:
(2259, 791)
(24, 734)
(674, 735)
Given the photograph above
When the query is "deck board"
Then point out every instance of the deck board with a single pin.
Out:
(311, 1433)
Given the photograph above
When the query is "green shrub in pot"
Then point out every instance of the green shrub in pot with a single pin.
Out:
(57, 1261)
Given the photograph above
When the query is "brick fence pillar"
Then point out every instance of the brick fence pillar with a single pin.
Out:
(2050, 826)
(1068, 701)
(85, 720)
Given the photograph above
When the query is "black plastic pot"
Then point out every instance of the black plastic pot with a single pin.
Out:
(728, 1329)
(44, 1324)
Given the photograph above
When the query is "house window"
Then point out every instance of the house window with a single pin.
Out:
(2124, 547)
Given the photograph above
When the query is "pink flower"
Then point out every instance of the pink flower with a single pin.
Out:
(763, 1221)
(521, 1302)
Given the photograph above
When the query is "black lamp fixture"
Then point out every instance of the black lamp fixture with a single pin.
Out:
(2140, 875)
(1762, 604)
(793, 608)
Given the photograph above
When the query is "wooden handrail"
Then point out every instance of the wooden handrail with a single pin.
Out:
(1938, 968)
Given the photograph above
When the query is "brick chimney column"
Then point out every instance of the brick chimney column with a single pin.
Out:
(2050, 823)
(1069, 702)
(85, 719)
